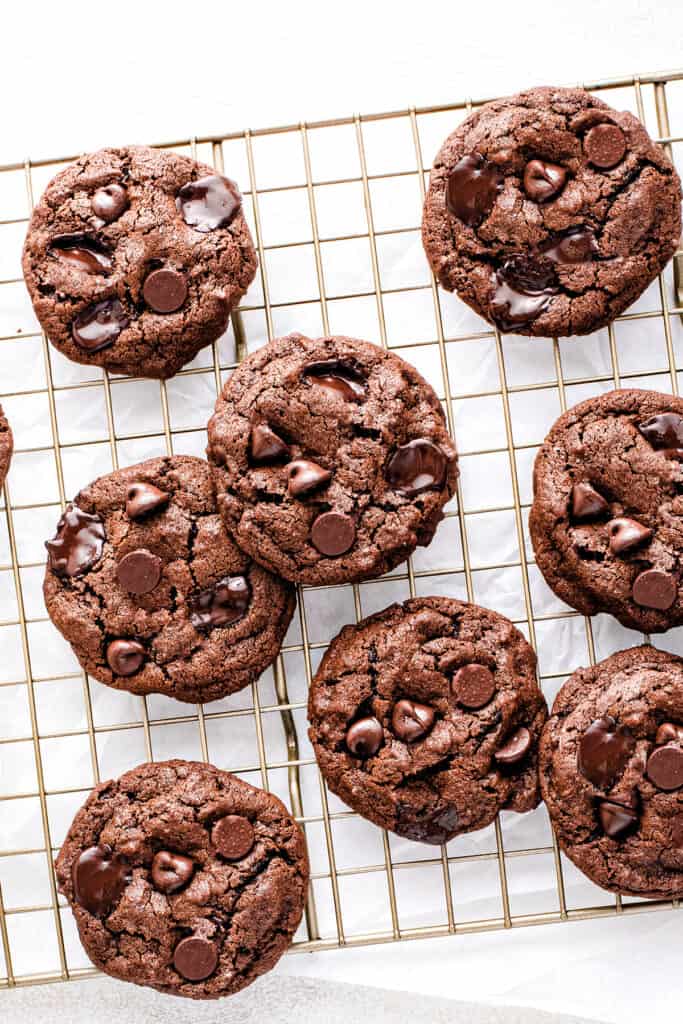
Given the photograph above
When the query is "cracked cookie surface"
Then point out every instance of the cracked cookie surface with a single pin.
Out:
(549, 212)
(135, 257)
(331, 459)
(184, 878)
(607, 516)
(425, 718)
(611, 767)
(6, 446)
(151, 593)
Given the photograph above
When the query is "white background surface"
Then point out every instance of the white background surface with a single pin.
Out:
(75, 76)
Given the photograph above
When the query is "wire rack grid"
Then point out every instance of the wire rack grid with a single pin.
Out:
(335, 210)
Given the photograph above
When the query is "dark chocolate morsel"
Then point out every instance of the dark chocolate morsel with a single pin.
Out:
(472, 187)
(77, 545)
(515, 748)
(139, 571)
(416, 466)
(265, 445)
(165, 290)
(333, 533)
(171, 871)
(655, 589)
(364, 737)
(663, 431)
(411, 721)
(668, 732)
(473, 685)
(99, 326)
(221, 604)
(522, 288)
(99, 877)
(233, 836)
(575, 245)
(543, 180)
(81, 252)
(195, 958)
(109, 202)
(626, 535)
(143, 498)
(586, 503)
(305, 476)
(125, 657)
(209, 203)
(339, 376)
(665, 767)
(604, 145)
(616, 819)
(604, 751)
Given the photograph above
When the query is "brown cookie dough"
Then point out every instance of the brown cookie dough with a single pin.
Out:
(6, 446)
(331, 459)
(549, 213)
(152, 594)
(611, 766)
(425, 718)
(184, 878)
(134, 259)
(607, 516)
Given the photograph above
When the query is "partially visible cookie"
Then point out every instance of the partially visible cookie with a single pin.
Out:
(549, 212)
(135, 257)
(331, 459)
(607, 516)
(152, 594)
(425, 718)
(184, 878)
(611, 766)
(6, 446)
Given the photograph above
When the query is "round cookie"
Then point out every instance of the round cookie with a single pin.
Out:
(607, 517)
(331, 459)
(611, 767)
(135, 257)
(152, 594)
(549, 212)
(425, 718)
(184, 878)
(6, 446)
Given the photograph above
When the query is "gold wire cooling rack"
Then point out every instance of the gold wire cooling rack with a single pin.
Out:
(335, 210)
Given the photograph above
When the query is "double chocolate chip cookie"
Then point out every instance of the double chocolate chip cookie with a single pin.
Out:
(184, 878)
(611, 766)
(331, 459)
(6, 446)
(425, 718)
(549, 212)
(607, 516)
(152, 594)
(135, 257)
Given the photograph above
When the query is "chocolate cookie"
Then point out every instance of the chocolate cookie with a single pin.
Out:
(184, 878)
(611, 766)
(6, 446)
(607, 517)
(135, 257)
(549, 212)
(425, 718)
(331, 459)
(152, 594)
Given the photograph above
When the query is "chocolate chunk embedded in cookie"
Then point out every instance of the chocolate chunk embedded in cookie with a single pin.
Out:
(607, 516)
(425, 718)
(331, 459)
(152, 594)
(549, 212)
(135, 257)
(165, 890)
(611, 767)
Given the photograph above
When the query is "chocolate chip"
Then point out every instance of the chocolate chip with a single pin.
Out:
(233, 836)
(165, 290)
(575, 245)
(221, 604)
(473, 685)
(665, 767)
(615, 819)
(171, 871)
(78, 543)
(543, 180)
(109, 202)
(125, 657)
(305, 476)
(522, 288)
(139, 571)
(604, 145)
(265, 445)
(515, 748)
(626, 534)
(668, 732)
(143, 498)
(472, 187)
(99, 877)
(416, 466)
(99, 326)
(195, 958)
(333, 533)
(664, 431)
(82, 253)
(339, 376)
(604, 751)
(411, 721)
(364, 737)
(586, 503)
(209, 203)
(655, 589)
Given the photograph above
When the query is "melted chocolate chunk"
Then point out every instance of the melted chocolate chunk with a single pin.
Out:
(664, 432)
(668, 732)
(265, 445)
(543, 180)
(109, 202)
(626, 535)
(616, 819)
(81, 252)
(604, 752)
(523, 287)
(233, 836)
(339, 376)
(515, 748)
(142, 499)
(195, 958)
(586, 503)
(171, 871)
(99, 877)
(605, 145)
(306, 476)
(576, 245)
(411, 721)
(78, 543)
(473, 186)
(209, 203)
(417, 466)
(221, 604)
(100, 325)
(333, 533)
(125, 657)
(165, 290)
(364, 737)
